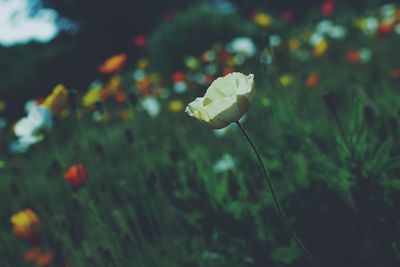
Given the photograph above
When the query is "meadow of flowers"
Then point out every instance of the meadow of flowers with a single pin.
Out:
(118, 174)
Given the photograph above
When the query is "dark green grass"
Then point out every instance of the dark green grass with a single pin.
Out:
(333, 153)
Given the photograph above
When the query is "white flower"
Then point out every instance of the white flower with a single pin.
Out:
(226, 163)
(324, 27)
(337, 32)
(18, 147)
(397, 29)
(371, 25)
(151, 105)
(29, 129)
(315, 39)
(365, 55)
(275, 40)
(388, 12)
(242, 45)
(225, 101)
(180, 87)
(3, 123)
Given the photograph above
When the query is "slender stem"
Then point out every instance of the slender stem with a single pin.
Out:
(274, 195)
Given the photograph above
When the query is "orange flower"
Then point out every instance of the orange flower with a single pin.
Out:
(143, 86)
(25, 224)
(313, 80)
(32, 255)
(113, 64)
(45, 259)
(76, 175)
(353, 56)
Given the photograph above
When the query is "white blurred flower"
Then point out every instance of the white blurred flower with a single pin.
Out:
(138, 75)
(3, 122)
(151, 105)
(365, 55)
(315, 39)
(29, 130)
(38, 119)
(266, 57)
(226, 163)
(324, 27)
(242, 45)
(371, 25)
(180, 87)
(337, 32)
(388, 12)
(275, 40)
(224, 6)
(18, 147)
(397, 29)
(211, 68)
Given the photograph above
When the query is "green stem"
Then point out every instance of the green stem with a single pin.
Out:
(274, 195)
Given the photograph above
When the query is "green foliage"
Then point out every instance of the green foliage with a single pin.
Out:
(191, 33)
(286, 254)
(157, 201)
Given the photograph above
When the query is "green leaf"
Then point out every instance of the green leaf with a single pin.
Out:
(285, 255)
(381, 156)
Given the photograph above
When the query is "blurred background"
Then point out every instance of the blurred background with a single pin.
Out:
(100, 166)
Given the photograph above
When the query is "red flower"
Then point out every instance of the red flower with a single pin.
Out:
(287, 15)
(178, 76)
(169, 15)
(139, 40)
(224, 56)
(45, 259)
(228, 70)
(385, 28)
(328, 7)
(32, 255)
(313, 80)
(76, 175)
(353, 56)
(120, 96)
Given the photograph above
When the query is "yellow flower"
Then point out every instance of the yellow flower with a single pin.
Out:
(3, 105)
(114, 84)
(320, 48)
(286, 80)
(142, 63)
(57, 100)
(226, 101)
(217, 47)
(25, 224)
(294, 44)
(91, 97)
(263, 20)
(155, 77)
(176, 105)
(191, 63)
